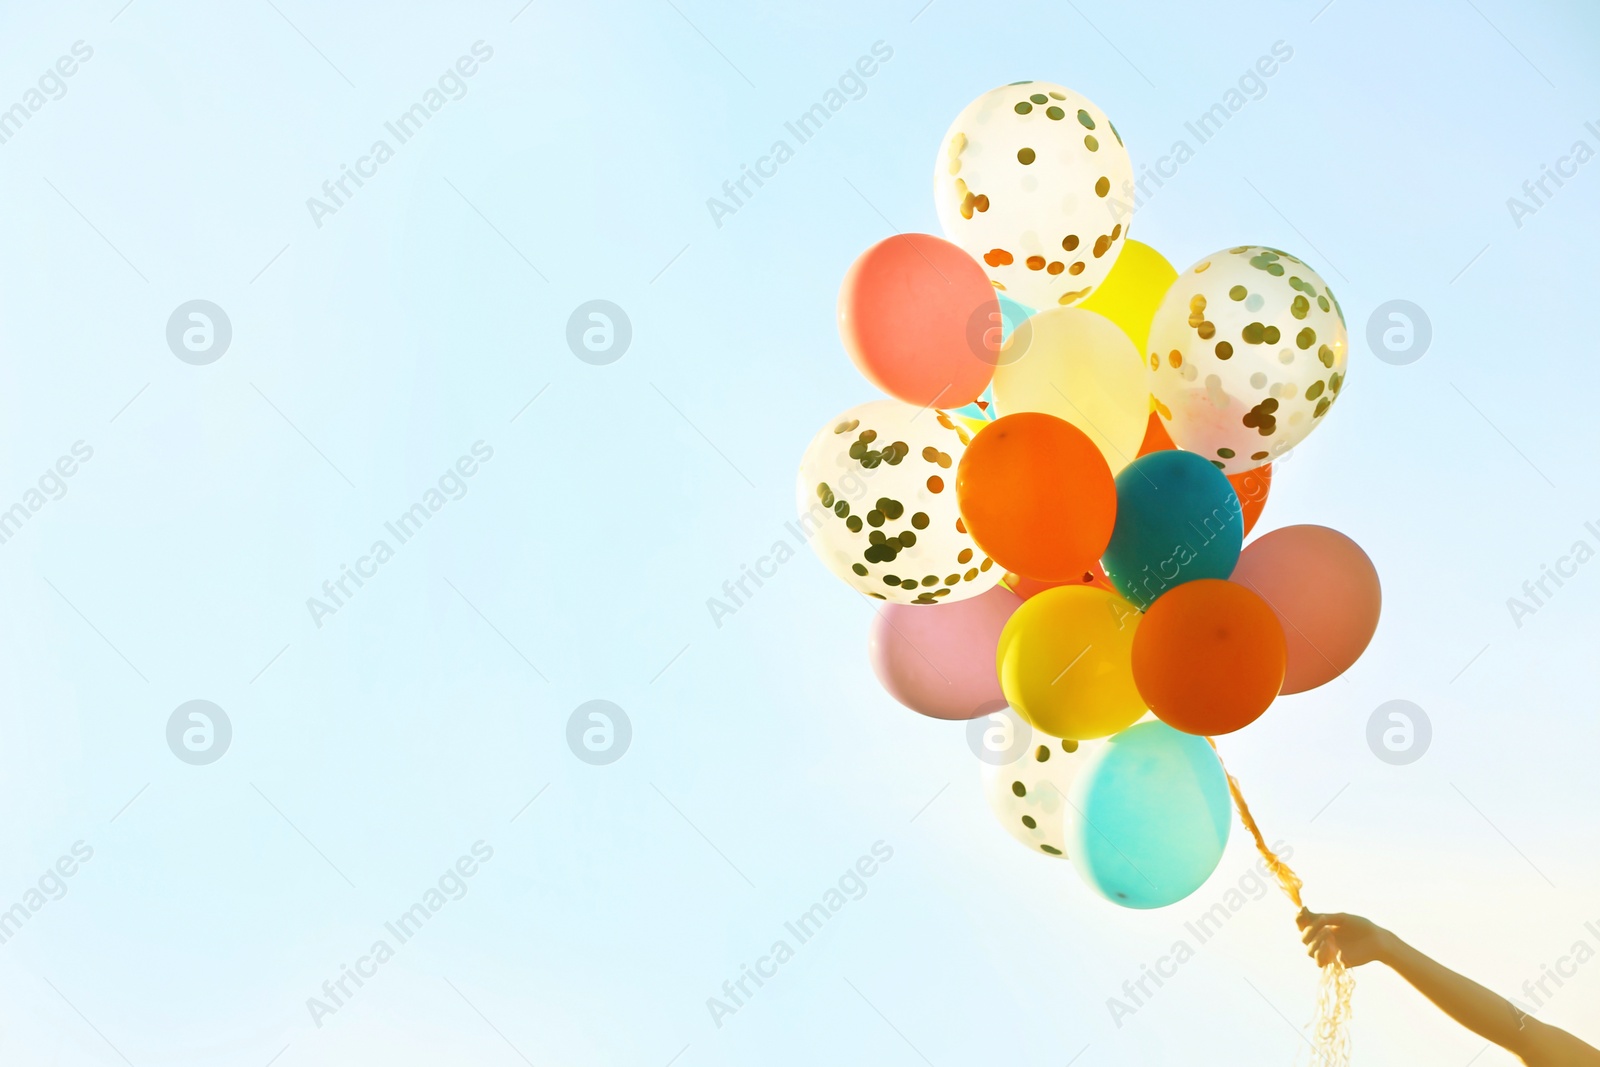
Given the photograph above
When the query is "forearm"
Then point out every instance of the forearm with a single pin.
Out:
(1485, 1013)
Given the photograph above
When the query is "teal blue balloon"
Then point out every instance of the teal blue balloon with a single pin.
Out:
(1012, 315)
(1148, 816)
(1178, 519)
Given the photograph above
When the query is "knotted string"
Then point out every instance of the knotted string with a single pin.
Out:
(1330, 1043)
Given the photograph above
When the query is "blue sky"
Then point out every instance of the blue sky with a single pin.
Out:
(374, 347)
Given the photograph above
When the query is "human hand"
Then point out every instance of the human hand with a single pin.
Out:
(1348, 938)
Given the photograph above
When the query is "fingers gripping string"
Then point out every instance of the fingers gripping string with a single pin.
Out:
(1330, 1041)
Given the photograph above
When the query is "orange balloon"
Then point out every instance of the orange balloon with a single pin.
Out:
(1036, 495)
(1326, 593)
(1209, 657)
(918, 317)
(1252, 487)
(1026, 587)
(1156, 438)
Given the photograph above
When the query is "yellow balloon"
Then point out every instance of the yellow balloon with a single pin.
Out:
(1080, 367)
(1133, 290)
(1065, 660)
(973, 424)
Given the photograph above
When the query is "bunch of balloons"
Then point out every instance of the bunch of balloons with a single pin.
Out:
(1053, 501)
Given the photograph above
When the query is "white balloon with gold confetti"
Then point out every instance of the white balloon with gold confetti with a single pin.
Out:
(1034, 182)
(1246, 355)
(877, 499)
(1028, 796)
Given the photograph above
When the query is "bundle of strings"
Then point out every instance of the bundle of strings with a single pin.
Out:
(1330, 1044)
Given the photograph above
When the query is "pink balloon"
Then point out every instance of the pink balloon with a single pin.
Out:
(921, 321)
(1325, 591)
(939, 659)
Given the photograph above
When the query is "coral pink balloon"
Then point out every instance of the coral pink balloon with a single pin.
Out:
(1325, 592)
(921, 321)
(938, 659)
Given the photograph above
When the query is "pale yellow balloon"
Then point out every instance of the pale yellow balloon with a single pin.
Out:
(1133, 290)
(1077, 366)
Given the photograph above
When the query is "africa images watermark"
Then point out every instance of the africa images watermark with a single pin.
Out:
(1538, 990)
(451, 85)
(452, 485)
(736, 992)
(1538, 190)
(1136, 992)
(1537, 592)
(1252, 85)
(52, 485)
(852, 487)
(451, 885)
(52, 85)
(852, 85)
(736, 591)
(1160, 576)
(51, 885)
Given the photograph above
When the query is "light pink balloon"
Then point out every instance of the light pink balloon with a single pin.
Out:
(939, 659)
(1325, 591)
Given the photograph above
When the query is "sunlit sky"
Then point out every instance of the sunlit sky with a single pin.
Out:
(423, 324)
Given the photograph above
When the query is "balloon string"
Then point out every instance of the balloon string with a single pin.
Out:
(1336, 991)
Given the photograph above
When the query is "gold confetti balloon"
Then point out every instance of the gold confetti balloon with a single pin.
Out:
(1246, 355)
(1029, 795)
(877, 499)
(1033, 181)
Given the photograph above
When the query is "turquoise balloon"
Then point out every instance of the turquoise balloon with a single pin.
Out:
(1148, 816)
(1178, 519)
(1012, 315)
